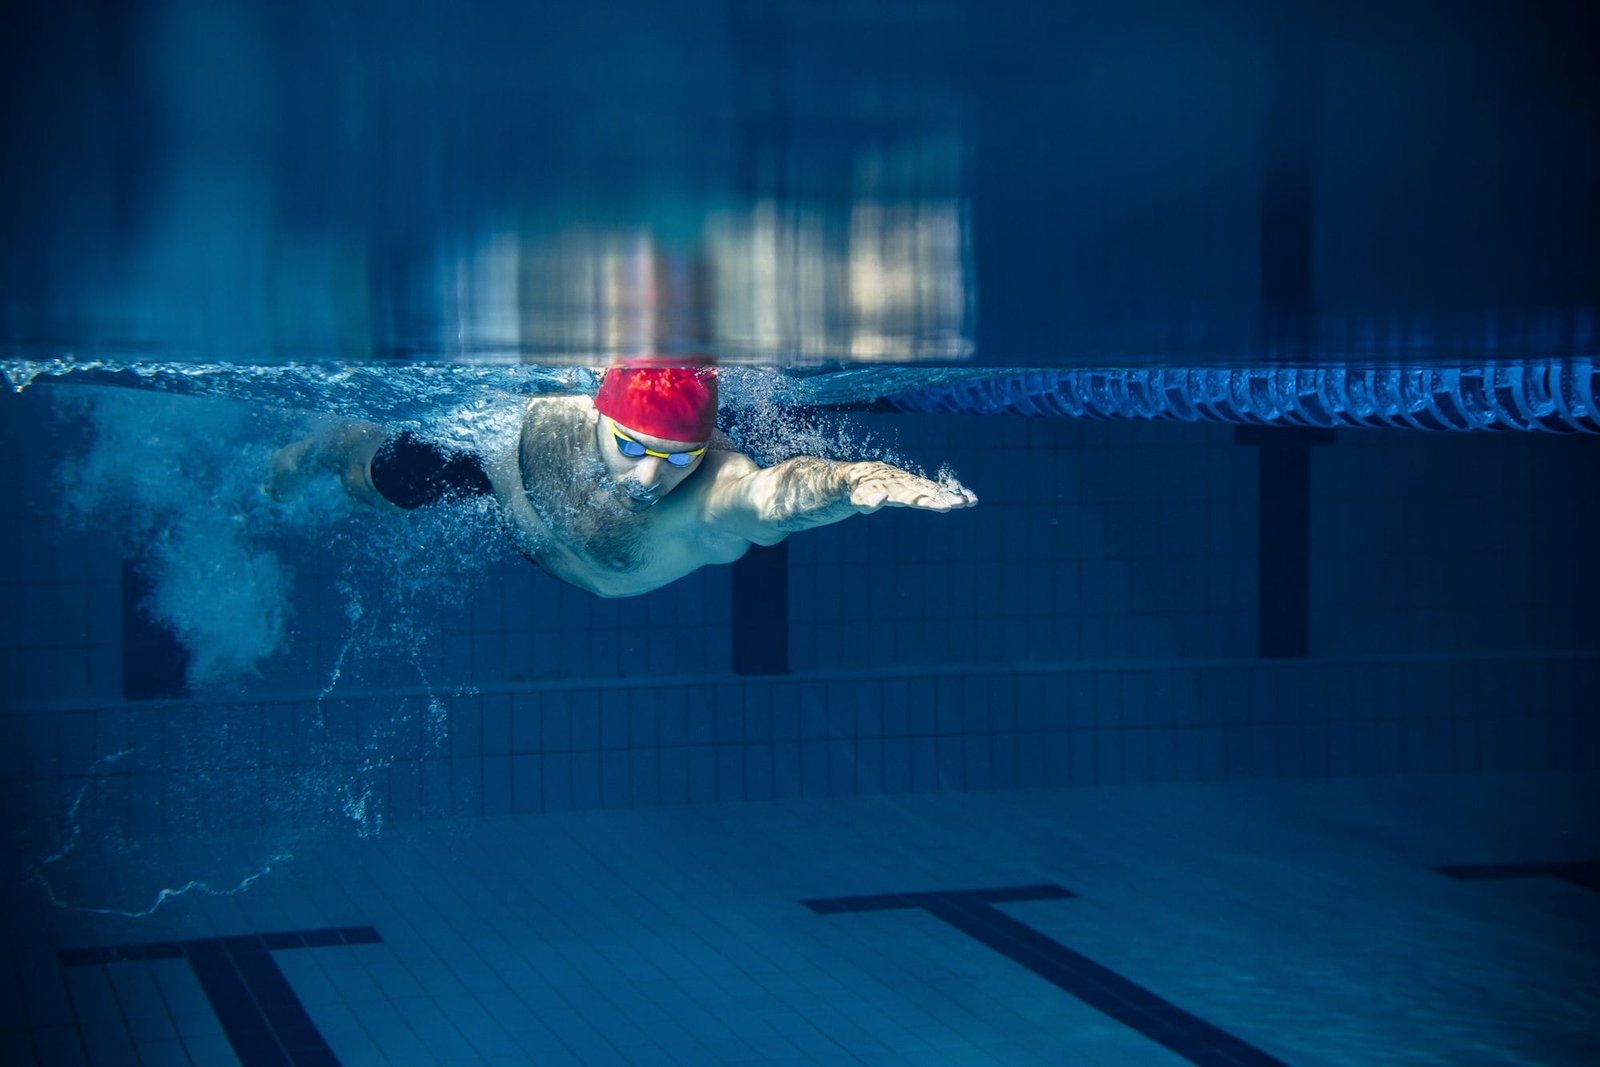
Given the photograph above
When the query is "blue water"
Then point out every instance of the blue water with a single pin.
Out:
(475, 814)
(1242, 721)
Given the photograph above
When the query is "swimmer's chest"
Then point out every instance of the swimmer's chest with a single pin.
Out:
(669, 543)
(667, 546)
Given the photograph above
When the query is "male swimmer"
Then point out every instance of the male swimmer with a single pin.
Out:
(619, 494)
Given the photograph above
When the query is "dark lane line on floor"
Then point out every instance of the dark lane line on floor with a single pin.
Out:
(262, 1017)
(1583, 873)
(972, 911)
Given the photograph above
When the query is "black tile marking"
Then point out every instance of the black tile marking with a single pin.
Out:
(1582, 873)
(973, 912)
(1288, 202)
(155, 664)
(1283, 538)
(898, 901)
(242, 1020)
(284, 1013)
(160, 950)
(761, 611)
(260, 1013)
(155, 950)
(321, 938)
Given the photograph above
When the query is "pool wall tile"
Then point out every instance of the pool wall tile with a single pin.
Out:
(702, 771)
(527, 783)
(497, 785)
(583, 770)
(1092, 621)
(616, 784)
(644, 777)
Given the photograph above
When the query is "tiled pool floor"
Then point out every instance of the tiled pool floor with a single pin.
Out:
(1300, 922)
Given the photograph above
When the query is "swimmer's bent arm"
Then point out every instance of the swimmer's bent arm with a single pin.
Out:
(346, 451)
(766, 504)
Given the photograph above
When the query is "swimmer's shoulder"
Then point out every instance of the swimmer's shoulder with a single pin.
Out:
(562, 423)
(722, 465)
(712, 491)
(554, 412)
(548, 421)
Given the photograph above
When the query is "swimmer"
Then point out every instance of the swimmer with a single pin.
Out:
(619, 494)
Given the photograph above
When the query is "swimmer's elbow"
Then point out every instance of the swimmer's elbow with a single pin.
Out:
(803, 493)
(767, 536)
(765, 505)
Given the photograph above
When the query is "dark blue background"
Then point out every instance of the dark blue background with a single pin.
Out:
(1131, 181)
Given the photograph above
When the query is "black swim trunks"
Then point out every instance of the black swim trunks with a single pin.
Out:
(411, 472)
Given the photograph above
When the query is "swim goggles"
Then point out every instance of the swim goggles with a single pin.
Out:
(634, 450)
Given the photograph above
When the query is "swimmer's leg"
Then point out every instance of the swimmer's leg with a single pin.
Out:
(409, 472)
(385, 471)
(345, 451)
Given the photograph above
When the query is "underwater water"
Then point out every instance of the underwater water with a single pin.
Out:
(308, 783)
(1247, 719)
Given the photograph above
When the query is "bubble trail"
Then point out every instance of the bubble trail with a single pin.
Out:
(39, 878)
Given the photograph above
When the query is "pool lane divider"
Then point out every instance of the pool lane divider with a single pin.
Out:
(262, 1017)
(973, 912)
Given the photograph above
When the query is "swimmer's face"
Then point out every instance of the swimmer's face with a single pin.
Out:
(643, 480)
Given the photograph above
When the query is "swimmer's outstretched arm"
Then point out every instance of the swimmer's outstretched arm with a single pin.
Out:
(766, 504)
(345, 451)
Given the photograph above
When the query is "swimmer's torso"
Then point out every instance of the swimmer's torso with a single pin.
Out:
(570, 517)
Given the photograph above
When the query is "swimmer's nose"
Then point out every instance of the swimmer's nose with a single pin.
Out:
(648, 472)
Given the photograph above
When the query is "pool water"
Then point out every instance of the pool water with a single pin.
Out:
(1027, 783)
(1248, 718)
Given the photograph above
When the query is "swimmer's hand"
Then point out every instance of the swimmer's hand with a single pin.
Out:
(876, 485)
(290, 468)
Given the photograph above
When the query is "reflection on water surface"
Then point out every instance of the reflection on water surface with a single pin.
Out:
(798, 183)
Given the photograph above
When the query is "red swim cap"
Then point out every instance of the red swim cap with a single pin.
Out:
(673, 403)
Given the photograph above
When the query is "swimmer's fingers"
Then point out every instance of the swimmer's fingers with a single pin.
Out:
(958, 496)
(942, 498)
(891, 487)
